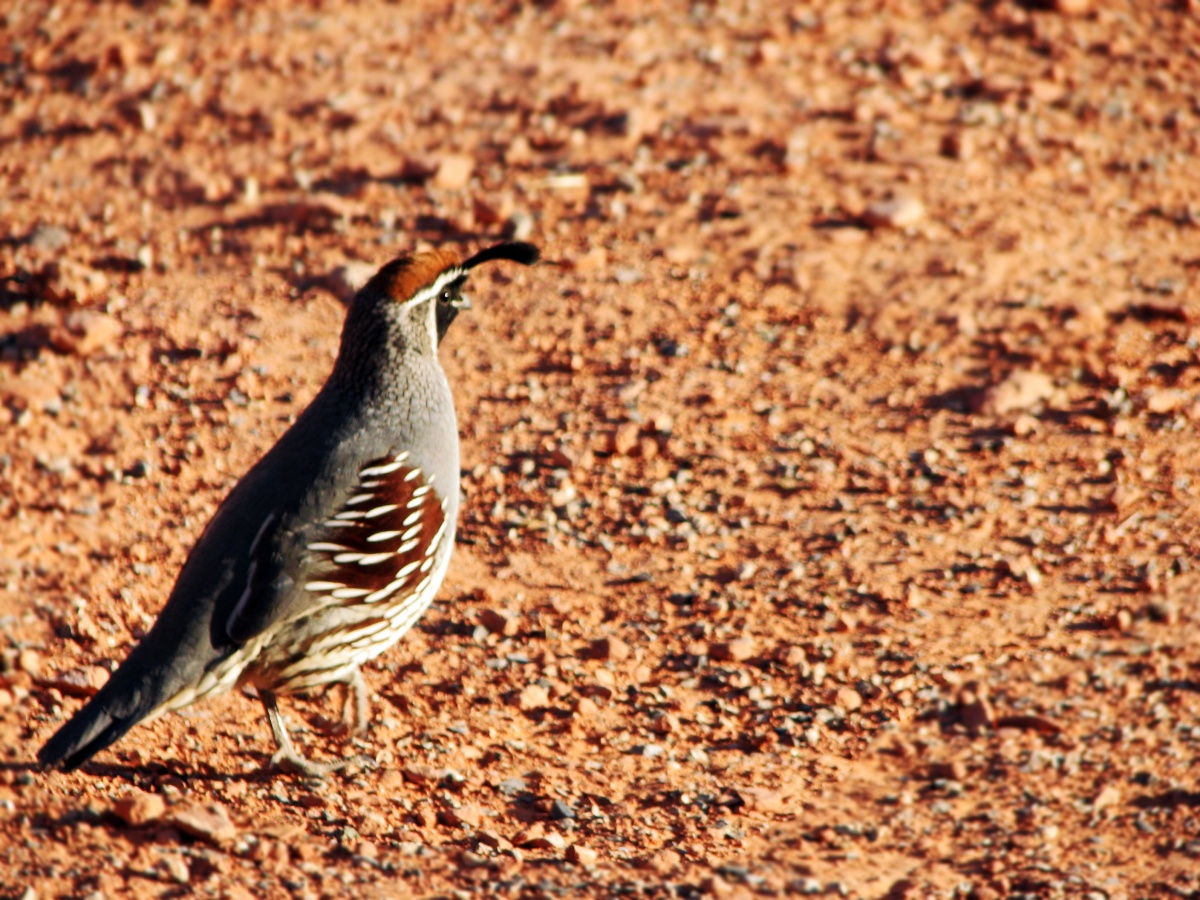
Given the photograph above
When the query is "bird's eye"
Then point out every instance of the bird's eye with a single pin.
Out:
(446, 297)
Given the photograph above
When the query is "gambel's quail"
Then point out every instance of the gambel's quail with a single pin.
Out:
(332, 545)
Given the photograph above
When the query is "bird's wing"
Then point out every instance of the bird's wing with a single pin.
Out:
(379, 546)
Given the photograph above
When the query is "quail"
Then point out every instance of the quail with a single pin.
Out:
(331, 546)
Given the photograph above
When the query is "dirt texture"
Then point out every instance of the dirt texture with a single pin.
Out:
(831, 495)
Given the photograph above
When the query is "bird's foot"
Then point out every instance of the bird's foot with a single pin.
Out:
(286, 759)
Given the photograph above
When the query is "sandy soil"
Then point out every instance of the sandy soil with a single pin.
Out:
(831, 498)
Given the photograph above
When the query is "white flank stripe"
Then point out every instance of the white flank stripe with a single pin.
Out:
(406, 546)
(349, 593)
(401, 609)
(323, 585)
(365, 631)
(371, 559)
(381, 510)
(359, 498)
(437, 539)
(384, 593)
(413, 473)
(412, 519)
(385, 469)
(327, 547)
(407, 569)
(343, 558)
(382, 536)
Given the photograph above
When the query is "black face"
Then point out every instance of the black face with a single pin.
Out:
(449, 303)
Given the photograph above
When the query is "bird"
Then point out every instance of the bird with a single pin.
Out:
(331, 546)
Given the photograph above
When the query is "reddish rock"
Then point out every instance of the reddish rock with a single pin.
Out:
(532, 697)
(737, 650)
(453, 172)
(583, 856)
(499, 621)
(139, 808)
(610, 648)
(208, 821)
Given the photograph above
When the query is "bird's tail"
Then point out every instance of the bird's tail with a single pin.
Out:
(136, 691)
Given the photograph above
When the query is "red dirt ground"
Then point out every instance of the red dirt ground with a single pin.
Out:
(831, 498)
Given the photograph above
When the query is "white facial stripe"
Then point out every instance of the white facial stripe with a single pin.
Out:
(439, 284)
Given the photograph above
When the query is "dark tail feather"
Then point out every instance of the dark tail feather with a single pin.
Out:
(116, 707)
(81, 738)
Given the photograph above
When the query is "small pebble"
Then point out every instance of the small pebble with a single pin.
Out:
(454, 171)
(1021, 390)
(560, 810)
(29, 660)
(499, 621)
(738, 650)
(625, 439)
(584, 856)
(49, 238)
(610, 648)
(899, 212)
(176, 868)
(510, 787)
(80, 682)
(533, 697)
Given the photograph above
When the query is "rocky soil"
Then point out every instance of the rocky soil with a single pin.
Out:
(831, 495)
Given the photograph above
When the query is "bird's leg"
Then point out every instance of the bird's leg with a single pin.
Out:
(355, 705)
(286, 757)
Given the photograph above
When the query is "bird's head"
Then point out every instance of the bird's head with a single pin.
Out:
(426, 288)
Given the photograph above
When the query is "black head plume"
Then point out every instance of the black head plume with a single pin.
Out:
(449, 308)
(515, 251)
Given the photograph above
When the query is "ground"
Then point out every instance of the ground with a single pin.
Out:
(831, 494)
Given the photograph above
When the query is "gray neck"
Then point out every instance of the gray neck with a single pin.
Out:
(384, 346)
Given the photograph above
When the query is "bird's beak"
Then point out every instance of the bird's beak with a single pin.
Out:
(464, 302)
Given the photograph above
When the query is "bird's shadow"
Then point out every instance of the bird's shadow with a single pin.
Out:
(154, 771)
